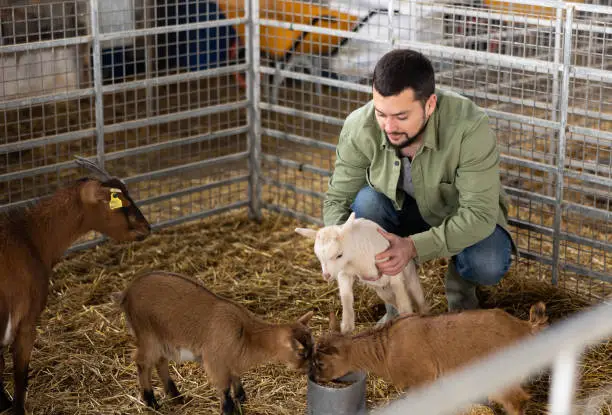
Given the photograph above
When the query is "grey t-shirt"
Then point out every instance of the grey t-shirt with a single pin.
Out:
(405, 180)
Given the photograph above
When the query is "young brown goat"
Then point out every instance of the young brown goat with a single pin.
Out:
(413, 350)
(32, 240)
(174, 317)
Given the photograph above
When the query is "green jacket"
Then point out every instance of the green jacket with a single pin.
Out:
(455, 175)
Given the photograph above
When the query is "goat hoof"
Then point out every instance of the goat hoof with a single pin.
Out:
(19, 410)
(241, 396)
(5, 402)
(150, 400)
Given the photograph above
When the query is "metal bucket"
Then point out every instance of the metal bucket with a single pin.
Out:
(351, 399)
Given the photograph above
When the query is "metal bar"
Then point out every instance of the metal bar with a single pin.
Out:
(592, 136)
(318, 79)
(555, 89)
(254, 113)
(590, 212)
(592, 8)
(169, 79)
(296, 165)
(57, 167)
(43, 99)
(293, 188)
(200, 138)
(586, 272)
(301, 113)
(509, 366)
(176, 116)
(46, 140)
(565, 87)
(589, 178)
(97, 73)
(294, 138)
(193, 189)
(292, 213)
(491, 59)
(45, 44)
(563, 382)
(200, 215)
(172, 29)
(157, 174)
(151, 200)
(166, 223)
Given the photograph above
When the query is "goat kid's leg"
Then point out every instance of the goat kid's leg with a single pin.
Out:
(145, 368)
(400, 291)
(5, 401)
(513, 400)
(221, 379)
(239, 393)
(415, 289)
(169, 386)
(345, 286)
(22, 351)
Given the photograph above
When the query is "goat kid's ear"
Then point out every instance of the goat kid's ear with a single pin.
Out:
(307, 232)
(306, 317)
(334, 326)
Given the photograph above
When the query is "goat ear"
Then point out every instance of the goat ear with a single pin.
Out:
(333, 323)
(306, 317)
(307, 232)
(92, 193)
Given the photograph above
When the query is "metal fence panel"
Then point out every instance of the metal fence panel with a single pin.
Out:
(149, 89)
(542, 73)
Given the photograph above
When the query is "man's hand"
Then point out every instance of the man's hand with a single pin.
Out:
(396, 257)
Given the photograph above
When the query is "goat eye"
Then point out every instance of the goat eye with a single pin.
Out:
(339, 256)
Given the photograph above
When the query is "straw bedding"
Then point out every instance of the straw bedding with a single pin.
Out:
(82, 358)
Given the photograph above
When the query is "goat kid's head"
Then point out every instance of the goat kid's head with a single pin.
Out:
(329, 246)
(109, 209)
(297, 346)
(330, 359)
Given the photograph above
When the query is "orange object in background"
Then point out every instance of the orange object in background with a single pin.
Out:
(524, 9)
(277, 42)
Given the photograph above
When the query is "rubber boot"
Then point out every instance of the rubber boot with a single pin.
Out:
(389, 315)
(460, 293)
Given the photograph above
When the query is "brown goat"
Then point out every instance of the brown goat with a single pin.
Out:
(32, 240)
(174, 317)
(414, 350)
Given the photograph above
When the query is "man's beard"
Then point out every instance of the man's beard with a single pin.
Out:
(409, 140)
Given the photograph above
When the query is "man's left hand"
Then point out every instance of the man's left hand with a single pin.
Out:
(396, 257)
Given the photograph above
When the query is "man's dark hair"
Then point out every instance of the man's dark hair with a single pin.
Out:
(401, 69)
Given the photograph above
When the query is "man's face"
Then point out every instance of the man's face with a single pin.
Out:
(401, 117)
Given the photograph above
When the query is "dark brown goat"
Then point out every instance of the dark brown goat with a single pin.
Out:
(414, 350)
(32, 240)
(174, 317)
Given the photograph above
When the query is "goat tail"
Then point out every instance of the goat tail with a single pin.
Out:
(537, 317)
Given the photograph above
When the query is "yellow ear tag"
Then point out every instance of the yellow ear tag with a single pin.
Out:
(115, 202)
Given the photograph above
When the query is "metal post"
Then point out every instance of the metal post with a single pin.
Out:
(563, 383)
(555, 89)
(97, 73)
(390, 15)
(254, 113)
(563, 109)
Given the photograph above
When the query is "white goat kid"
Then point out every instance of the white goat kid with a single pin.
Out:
(348, 251)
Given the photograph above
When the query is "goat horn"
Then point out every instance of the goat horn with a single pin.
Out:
(88, 164)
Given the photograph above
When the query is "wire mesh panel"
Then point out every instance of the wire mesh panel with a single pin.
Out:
(154, 90)
(510, 57)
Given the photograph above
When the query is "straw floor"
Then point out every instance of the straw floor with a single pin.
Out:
(81, 363)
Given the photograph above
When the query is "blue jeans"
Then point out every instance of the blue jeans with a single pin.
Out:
(484, 263)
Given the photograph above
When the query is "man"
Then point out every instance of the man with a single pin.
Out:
(423, 164)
